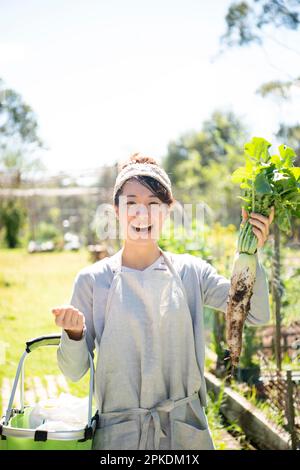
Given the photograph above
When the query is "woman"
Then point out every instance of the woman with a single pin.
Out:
(143, 310)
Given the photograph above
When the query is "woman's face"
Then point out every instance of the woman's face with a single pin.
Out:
(141, 214)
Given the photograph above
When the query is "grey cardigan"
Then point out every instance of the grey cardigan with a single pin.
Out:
(203, 285)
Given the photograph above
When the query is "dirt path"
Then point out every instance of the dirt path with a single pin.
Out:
(227, 441)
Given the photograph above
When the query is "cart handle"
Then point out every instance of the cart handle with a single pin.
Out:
(31, 345)
(46, 340)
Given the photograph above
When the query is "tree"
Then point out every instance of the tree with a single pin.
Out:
(19, 138)
(200, 163)
(12, 217)
(246, 23)
(246, 20)
(17, 167)
(18, 121)
(292, 134)
(19, 141)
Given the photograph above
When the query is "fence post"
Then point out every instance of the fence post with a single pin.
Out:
(276, 296)
(290, 409)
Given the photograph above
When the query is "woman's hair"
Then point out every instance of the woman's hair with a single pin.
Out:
(151, 183)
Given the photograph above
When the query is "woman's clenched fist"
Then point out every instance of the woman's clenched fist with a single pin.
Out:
(70, 319)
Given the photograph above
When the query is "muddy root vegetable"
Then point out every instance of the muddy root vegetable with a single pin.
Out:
(267, 180)
(238, 305)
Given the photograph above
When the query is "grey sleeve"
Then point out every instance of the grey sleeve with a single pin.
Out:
(216, 290)
(72, 355)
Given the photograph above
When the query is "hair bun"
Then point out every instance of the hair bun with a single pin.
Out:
(138, 157)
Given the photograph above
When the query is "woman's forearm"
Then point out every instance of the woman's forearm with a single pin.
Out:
(72, 356)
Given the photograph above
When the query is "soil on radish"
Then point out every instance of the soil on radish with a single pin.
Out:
(238, 306)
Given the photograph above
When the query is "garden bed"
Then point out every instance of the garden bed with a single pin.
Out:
(251, 420)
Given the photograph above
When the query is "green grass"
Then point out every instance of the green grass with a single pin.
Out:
(30, 286)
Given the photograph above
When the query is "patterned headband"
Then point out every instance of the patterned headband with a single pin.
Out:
(147, 169)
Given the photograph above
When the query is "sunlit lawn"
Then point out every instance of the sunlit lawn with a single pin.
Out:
(30, 285)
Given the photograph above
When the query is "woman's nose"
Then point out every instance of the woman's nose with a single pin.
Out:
(142, 211)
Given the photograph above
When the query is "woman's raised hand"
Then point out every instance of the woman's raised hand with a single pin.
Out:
(260, 224)
(70, 319)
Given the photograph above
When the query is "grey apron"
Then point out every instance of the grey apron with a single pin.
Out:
(147, 368)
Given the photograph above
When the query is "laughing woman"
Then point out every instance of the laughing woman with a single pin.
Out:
(142, 309)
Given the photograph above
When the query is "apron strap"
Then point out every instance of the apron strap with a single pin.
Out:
(169, 259)
(116, 262)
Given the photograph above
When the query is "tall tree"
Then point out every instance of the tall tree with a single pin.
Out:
(200, 163)
(210, 143)
(19, 141)
(17, 119)
(246, 21)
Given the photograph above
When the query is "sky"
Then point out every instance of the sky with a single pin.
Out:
(110, 77)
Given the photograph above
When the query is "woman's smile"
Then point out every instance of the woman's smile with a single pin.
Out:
(143, 229)
(140, 231)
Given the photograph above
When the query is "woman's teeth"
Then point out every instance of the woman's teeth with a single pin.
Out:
(142, 229)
